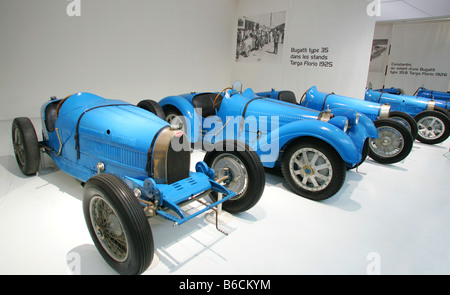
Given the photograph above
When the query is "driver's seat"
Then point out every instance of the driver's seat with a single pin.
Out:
(205, 102)
(287, 96)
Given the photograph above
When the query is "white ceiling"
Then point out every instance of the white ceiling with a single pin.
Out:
(401, 10)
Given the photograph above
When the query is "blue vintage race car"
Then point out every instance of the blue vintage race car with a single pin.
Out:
(442, 99)
(133, 165)
(439, 96)
(313, 148)
(394, 142)
(432, 119)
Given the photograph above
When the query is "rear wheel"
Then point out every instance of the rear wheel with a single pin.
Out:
(246, 174)
(313, 169)
(26, 146)
(117, 224)
(153, 107)
(394, 142)
(434, 127)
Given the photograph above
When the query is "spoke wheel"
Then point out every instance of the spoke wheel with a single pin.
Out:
(109, 229)
(313, 169)
(117, 224)
(434, 127)
(394, 142)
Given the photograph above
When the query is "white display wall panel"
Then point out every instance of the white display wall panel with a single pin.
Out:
(391, 219)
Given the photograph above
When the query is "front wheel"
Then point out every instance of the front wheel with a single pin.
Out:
(117, 224)
(394, 142)
(434, 127)
(246, 174)
(313, 169)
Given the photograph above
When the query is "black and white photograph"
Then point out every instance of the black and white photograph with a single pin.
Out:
(378, 55)
(260, 38)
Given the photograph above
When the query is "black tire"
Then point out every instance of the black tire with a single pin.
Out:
(334, 170)
(393, 144)
(407, 120)
(128, 225)
(26, 146)
(442, 110)
(434, 127)
(239, 158)
(153, 107)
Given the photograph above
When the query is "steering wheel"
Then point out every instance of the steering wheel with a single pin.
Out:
(215, 99)
(303, 96)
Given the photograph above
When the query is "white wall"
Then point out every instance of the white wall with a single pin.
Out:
(343, 26)
(136, 49)
(425, 48)
(419, 56)
(129, 50)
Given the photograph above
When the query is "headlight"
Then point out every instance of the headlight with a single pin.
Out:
(340, 122)
(430, 105)
(384, 111)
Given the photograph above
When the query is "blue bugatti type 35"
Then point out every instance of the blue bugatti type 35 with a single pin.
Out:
(433, 120)
(443, 97)
(314, 149)
(133, 165)
(394, 142)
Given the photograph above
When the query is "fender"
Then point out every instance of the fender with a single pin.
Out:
(369, 126)
(192, 119)
(269, 145)
(365, 121)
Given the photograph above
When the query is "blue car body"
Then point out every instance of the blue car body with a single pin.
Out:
(370, 113)
(435, 95)
(433, 119)
(320, 101)
(412, 105)
(267, 126)
(89, 130)
(132, 165)
(423, 93)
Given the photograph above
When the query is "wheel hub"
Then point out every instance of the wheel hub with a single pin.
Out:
(308, 170)
(311, 169)
(431, 127)
(386, 141)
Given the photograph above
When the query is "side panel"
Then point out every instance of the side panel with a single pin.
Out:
(401, 103)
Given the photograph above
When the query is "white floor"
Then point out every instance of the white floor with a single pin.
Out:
(388, 219)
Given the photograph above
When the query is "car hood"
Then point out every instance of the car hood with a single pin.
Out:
(258, 107)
